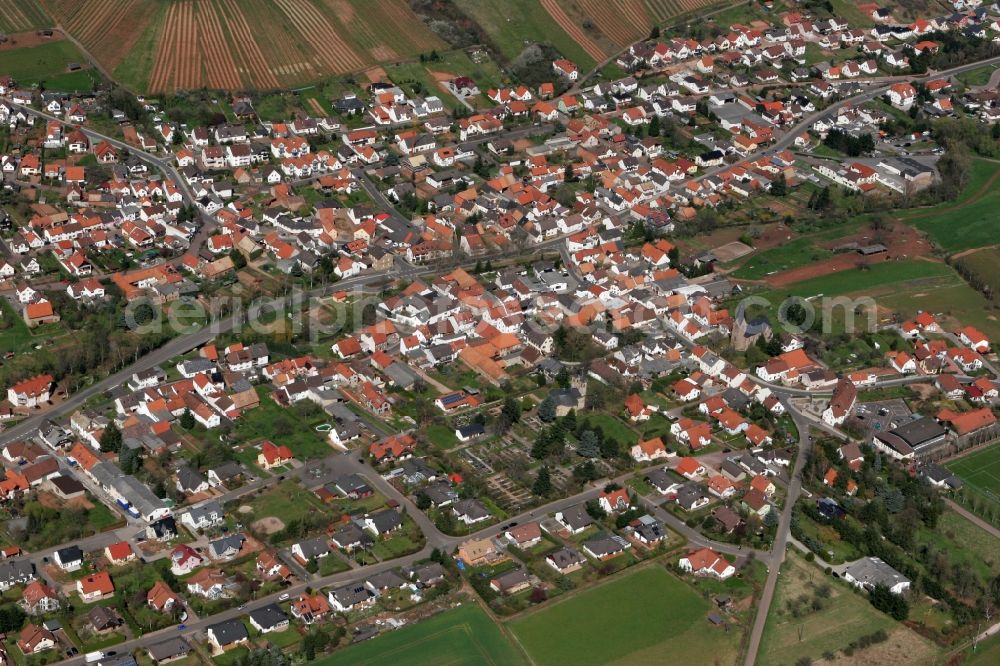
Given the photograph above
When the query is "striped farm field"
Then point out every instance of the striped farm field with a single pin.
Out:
(171, 45)
(331, 50)
(382, 29)
(574, 30)
(107, 29)
(220, 68)
(622, 21)
(661, 10)
(22, 15)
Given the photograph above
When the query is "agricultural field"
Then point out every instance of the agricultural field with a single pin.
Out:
(796, 631)
(107, 29)
(622, 21)
(968, 221)
(464, 636)
(189, 44)
(980, 472)
(21, 16)
(637, 618)
(513, 24)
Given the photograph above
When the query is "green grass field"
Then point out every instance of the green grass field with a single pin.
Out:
(486, 75)
(47, 63)
(283, 426)
(958, 303)
(441, 436)
(638, 618)
(977, 77)
(876, 276)
(968, 221)
(986, 653)
(882, 282)
(845, 617)
(465, 636)
(513, 24)
(288, 501)
(792, 254)
(980, 472)
(984, 264)
(967, 544)
(614, 428)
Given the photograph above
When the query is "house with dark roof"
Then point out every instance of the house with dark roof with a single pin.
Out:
(383, 522)
(269, 618)
(512, 582)
(565, 560)
(313, 548)
(470, 511)
(227, 635)
(172, 649)
(350, 597)
(575, 519)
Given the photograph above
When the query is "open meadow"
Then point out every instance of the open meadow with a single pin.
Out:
(644, 617)
(464, 636)
(968, 221)
(796, 631)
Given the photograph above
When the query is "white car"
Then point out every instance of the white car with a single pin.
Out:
(284, 597)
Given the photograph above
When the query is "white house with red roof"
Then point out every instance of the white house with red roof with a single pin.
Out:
(31, 392)
(615, 500)
(975, 339)
(272, 455)
(706, 562)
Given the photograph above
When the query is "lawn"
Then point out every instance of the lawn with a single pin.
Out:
(293, 426)
(792, 254)
(980, 472)
(977, 77)
(876, 276)
(637, 618)
(46, 62)
(844, 617)
(954, 303)
(987, 653)
(983, 263)
(288, 500)
(968, 545)
(513, 24)
(461, 637)
(441, 436)
(16, 336)
(613, 428)
(967, 222)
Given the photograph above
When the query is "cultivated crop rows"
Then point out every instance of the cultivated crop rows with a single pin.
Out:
(623, 21)
(107, 28)
(575, 31)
